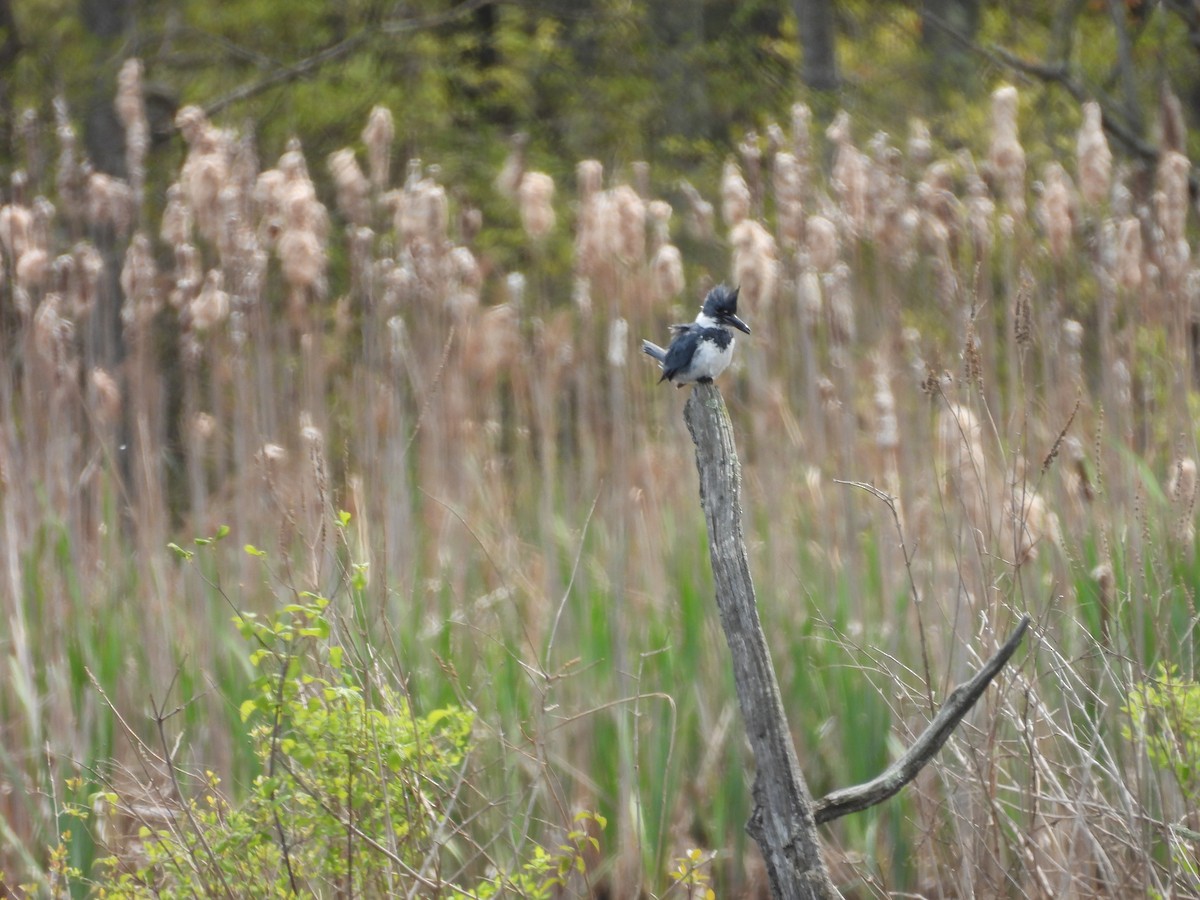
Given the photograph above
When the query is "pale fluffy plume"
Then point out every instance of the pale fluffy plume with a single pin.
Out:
(16, 229)
(493, 343)
(960, 454)
(755, 266)
(1173, 171)
(139, 283)
(131, 110)
(110, 202)
(735, 194)
(302, 255)
(631, 223)
(1007, 156)
(667, 272)
(822, 241)
(32, 268)
(205, 170)
(465, 282)
(788, 182)
(1094, 157)
(353, 189)
(211, 306)
(106, 394)
(176, 225)
(849, 178)
(1129, 254)
(535, 196)
(920, 144)
(378, 135)
(699, 218)
(1054, 209)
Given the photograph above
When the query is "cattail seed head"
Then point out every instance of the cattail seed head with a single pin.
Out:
(378, 135)
(735, 194)
(700, 216)
(822, 239)
(1006, 155)
(1054, 209)
(1094, 157)
(210, 307)
(107, 396)
(755, 266)
(1129, 272)
(1172, 178)
(535, 197)
(631, 224)
(353, 189)
(666, 270)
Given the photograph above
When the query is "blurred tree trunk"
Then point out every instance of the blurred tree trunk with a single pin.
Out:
(818, 68)
(10, 48)
(677, 66)
(108, 21)
(947, 29)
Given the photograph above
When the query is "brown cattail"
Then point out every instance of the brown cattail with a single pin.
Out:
(700, 214)
(107, 396)
(788, 182)
(1172, 126)
(131, 110)
(139, 283)
(666, 271)
(211, 306)
(630, 222)
(32, 268)
(465, 282)
(1129, 255)
(353, 189)
(1094, 157)
(512, 173)
(849, 178)
(822, 240)
(1181, 488)
(1172, 178)
(1054, 209)
(920, 144)
(16, 229)
(755, 267)
(176, 225)
(110, 202)
(205, 169)
(303, 259)
(378, 135)
(1006, 156)
(842, 329)
(808, 298)
(535, 196)
(735, 194)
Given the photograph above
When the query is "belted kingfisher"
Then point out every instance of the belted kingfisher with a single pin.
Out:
(701, 350)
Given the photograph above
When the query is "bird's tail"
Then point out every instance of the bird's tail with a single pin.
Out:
(654, 351)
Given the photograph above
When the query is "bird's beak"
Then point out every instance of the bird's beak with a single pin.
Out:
(737, 323)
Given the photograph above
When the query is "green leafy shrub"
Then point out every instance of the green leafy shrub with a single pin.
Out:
(357, 794)
(1164, 714)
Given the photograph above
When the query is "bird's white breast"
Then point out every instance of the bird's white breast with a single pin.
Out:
(710, 360)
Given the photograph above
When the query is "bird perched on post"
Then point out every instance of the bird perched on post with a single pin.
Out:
(700, 350)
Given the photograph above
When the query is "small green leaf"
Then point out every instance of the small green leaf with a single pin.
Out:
(247, 707)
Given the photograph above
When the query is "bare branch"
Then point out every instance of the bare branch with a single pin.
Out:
(308, 65)
(905, 769)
